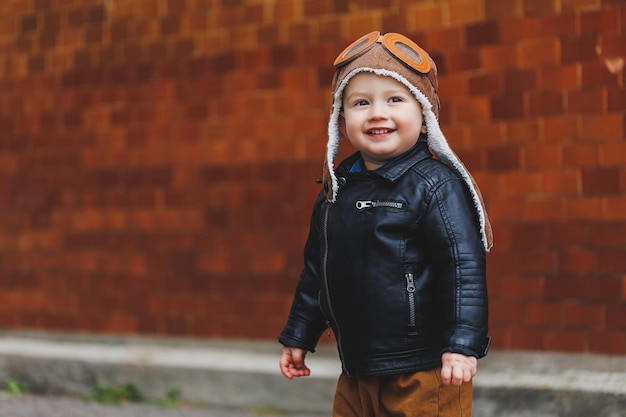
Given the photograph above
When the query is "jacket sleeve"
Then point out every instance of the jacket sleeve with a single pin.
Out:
(459, 259)
(306, 323)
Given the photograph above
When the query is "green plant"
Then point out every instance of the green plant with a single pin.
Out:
(115, 395)
(107, 394)
(173, 398)
(14, 388)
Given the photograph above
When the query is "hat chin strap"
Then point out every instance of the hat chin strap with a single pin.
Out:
(328, 181)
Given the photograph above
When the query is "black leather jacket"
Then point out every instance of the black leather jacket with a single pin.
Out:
(396, 266)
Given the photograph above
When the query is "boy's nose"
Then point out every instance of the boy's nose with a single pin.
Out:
(378, 111)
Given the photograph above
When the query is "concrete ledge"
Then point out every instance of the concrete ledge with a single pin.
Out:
(245, 373)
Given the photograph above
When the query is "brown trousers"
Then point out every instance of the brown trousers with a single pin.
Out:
(409, 395)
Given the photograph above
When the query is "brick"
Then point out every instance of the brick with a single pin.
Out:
(472, 109)
(51, 21)
(452, 85)
(586, 208)
(612, 153)
(563, 24)
(616, 317)
(569, 5)
(612, 45)
(615, 208)
(608, 234)
(546, 104)
(603, 126)
(595, 74)
(612, 261)
(543, 209)
(544, 314)
(518, 80)
(488, 84)
(506, 311)
(465, 12)
(564, 287)
(529, 235)
(578, 49)
(357, 25)
(586, 316)
(8, 26)
(521, 131)
(497, 57)
(567, 340)
(463, 60)
(605, 181)
(605, 20)
(510, 106)
(562, 182)
(542, 156)
(482, 34)
(503, 9)
(602, 290)
(515, 30)
(616, 99)
(538, 262)
(28, 23)
(503, 159)
(577, 261)
(539, 52)
(170, 25)
(423, 16)
(539, 7)
(443, 38)
(528, 338)
(580, 154)
(96, 14)
(589, 101)
(473, 160)
(607, 342)
(522, 288)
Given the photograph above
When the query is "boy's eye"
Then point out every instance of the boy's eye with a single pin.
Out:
(395, 99)
(361, 103)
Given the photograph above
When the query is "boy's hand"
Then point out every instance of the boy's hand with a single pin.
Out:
(457, 368)
(292, 362)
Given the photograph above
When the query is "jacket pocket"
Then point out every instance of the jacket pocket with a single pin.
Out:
(411, 297)
(371, 204)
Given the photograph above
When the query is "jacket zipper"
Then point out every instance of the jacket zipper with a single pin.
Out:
(325, 281)
(410, 289)
(363, 204)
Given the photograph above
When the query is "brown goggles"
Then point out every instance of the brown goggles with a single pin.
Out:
(396, 44)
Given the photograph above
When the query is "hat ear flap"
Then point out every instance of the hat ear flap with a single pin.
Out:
(341, 125)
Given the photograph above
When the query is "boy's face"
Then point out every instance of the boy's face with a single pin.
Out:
(381, 118)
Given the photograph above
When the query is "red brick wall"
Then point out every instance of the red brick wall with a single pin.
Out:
(158, 158)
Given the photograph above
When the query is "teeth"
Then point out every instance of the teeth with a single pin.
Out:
(379, 132)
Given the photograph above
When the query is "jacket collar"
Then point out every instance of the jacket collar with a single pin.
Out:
(394, 168)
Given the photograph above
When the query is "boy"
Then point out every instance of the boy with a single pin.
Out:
(395, 258)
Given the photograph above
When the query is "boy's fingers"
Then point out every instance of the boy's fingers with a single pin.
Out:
(446, 375)
(458, 375)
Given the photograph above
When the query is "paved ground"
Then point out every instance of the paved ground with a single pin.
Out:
(46, 406)
(241, 379)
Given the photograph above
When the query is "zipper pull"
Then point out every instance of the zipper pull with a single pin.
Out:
(328, 327)
(410, 283)
(364, 204)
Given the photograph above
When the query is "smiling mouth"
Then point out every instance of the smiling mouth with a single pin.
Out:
(379, 131)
